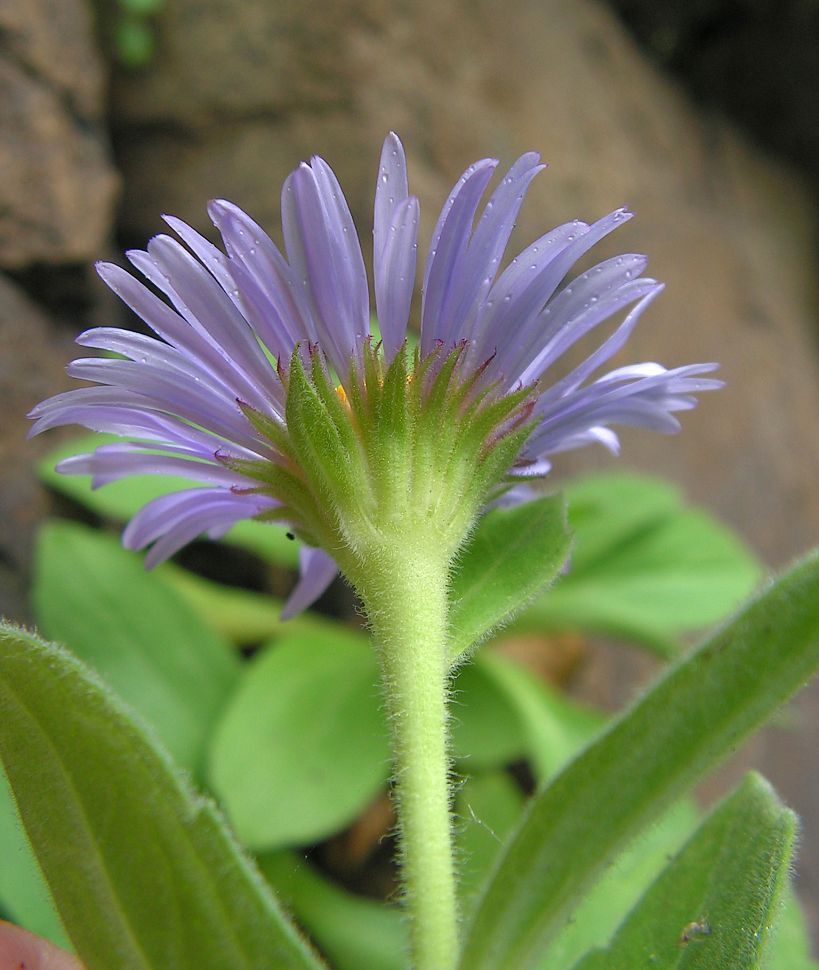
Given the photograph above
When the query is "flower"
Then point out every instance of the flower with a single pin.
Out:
(211, 396)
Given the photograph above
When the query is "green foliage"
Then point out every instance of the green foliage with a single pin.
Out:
(352, 931)
(513, 555)
(135, 631)
(293, 741)
(644, 566)
(24, 894)
(691, 719)
(143, 871)
(306, 721)
(715, 904)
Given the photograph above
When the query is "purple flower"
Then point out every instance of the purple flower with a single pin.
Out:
(207, 397)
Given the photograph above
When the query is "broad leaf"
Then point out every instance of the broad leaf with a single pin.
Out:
(698, 712)
(487, 730)
(24, 895)
(95, 597)
(513, 555)
(716, 903)
(122, 499)
(144, 872)
(554, 728)
(302, 746)
(354, 932)
(644, 566)
(621, 885)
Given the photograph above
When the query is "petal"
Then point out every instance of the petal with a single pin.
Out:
(486, 248)
(395, 245)
(172, 521)
(323, 249)
(112, 462)
(449, 243)
(526, 288)
(318, 570)
(395, 277)
(267, 284)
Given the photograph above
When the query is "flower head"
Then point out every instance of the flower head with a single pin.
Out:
(265, 383)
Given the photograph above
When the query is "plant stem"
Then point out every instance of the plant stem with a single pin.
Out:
(405, 595)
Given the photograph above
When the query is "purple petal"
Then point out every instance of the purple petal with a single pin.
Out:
(395, 232)
(395, 277)
(205, 305)
(326, 257)
(449, 244)
(514, 303)
(267, 284)
(486, 248)
(318, 570)
(112, 462)
(172, 521)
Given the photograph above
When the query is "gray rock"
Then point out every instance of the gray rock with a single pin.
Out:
(57, 184)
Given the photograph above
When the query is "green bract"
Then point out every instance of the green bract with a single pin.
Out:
(408, 452)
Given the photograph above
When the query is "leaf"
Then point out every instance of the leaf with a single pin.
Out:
(554, 727)
(243, 616)
(697, 712)
(487, 731)
(24, 894)
(790, 944)
(716, 903)
(489, 805)
(141, 637)
(513, 555)
(354, 932)
(302, 746)
(144, 872)
(122, 499)
(644, 566)
(604, 908)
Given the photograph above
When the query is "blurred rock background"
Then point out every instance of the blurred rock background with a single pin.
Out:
(704, 118)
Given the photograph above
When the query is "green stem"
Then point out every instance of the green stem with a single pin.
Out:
(405, 595)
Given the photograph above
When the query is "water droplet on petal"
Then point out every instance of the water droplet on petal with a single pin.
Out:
(385, 178)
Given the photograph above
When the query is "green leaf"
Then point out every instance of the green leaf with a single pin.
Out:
(716, 903)
(513, 555)
(354, 932)
(489, 806)
(122, 499)
(604, 908)
(144, 872)
(243, 616)
(554, 728)
(644, 566)
(790, 943)
(697, 713)
(141, 637)
(24, 894)
(487, 731)
(302, 747)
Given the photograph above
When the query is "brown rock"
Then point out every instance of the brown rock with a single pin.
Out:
(33, 354)
(57, 185)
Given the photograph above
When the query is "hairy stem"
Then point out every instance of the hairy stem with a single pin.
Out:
(405, 595)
